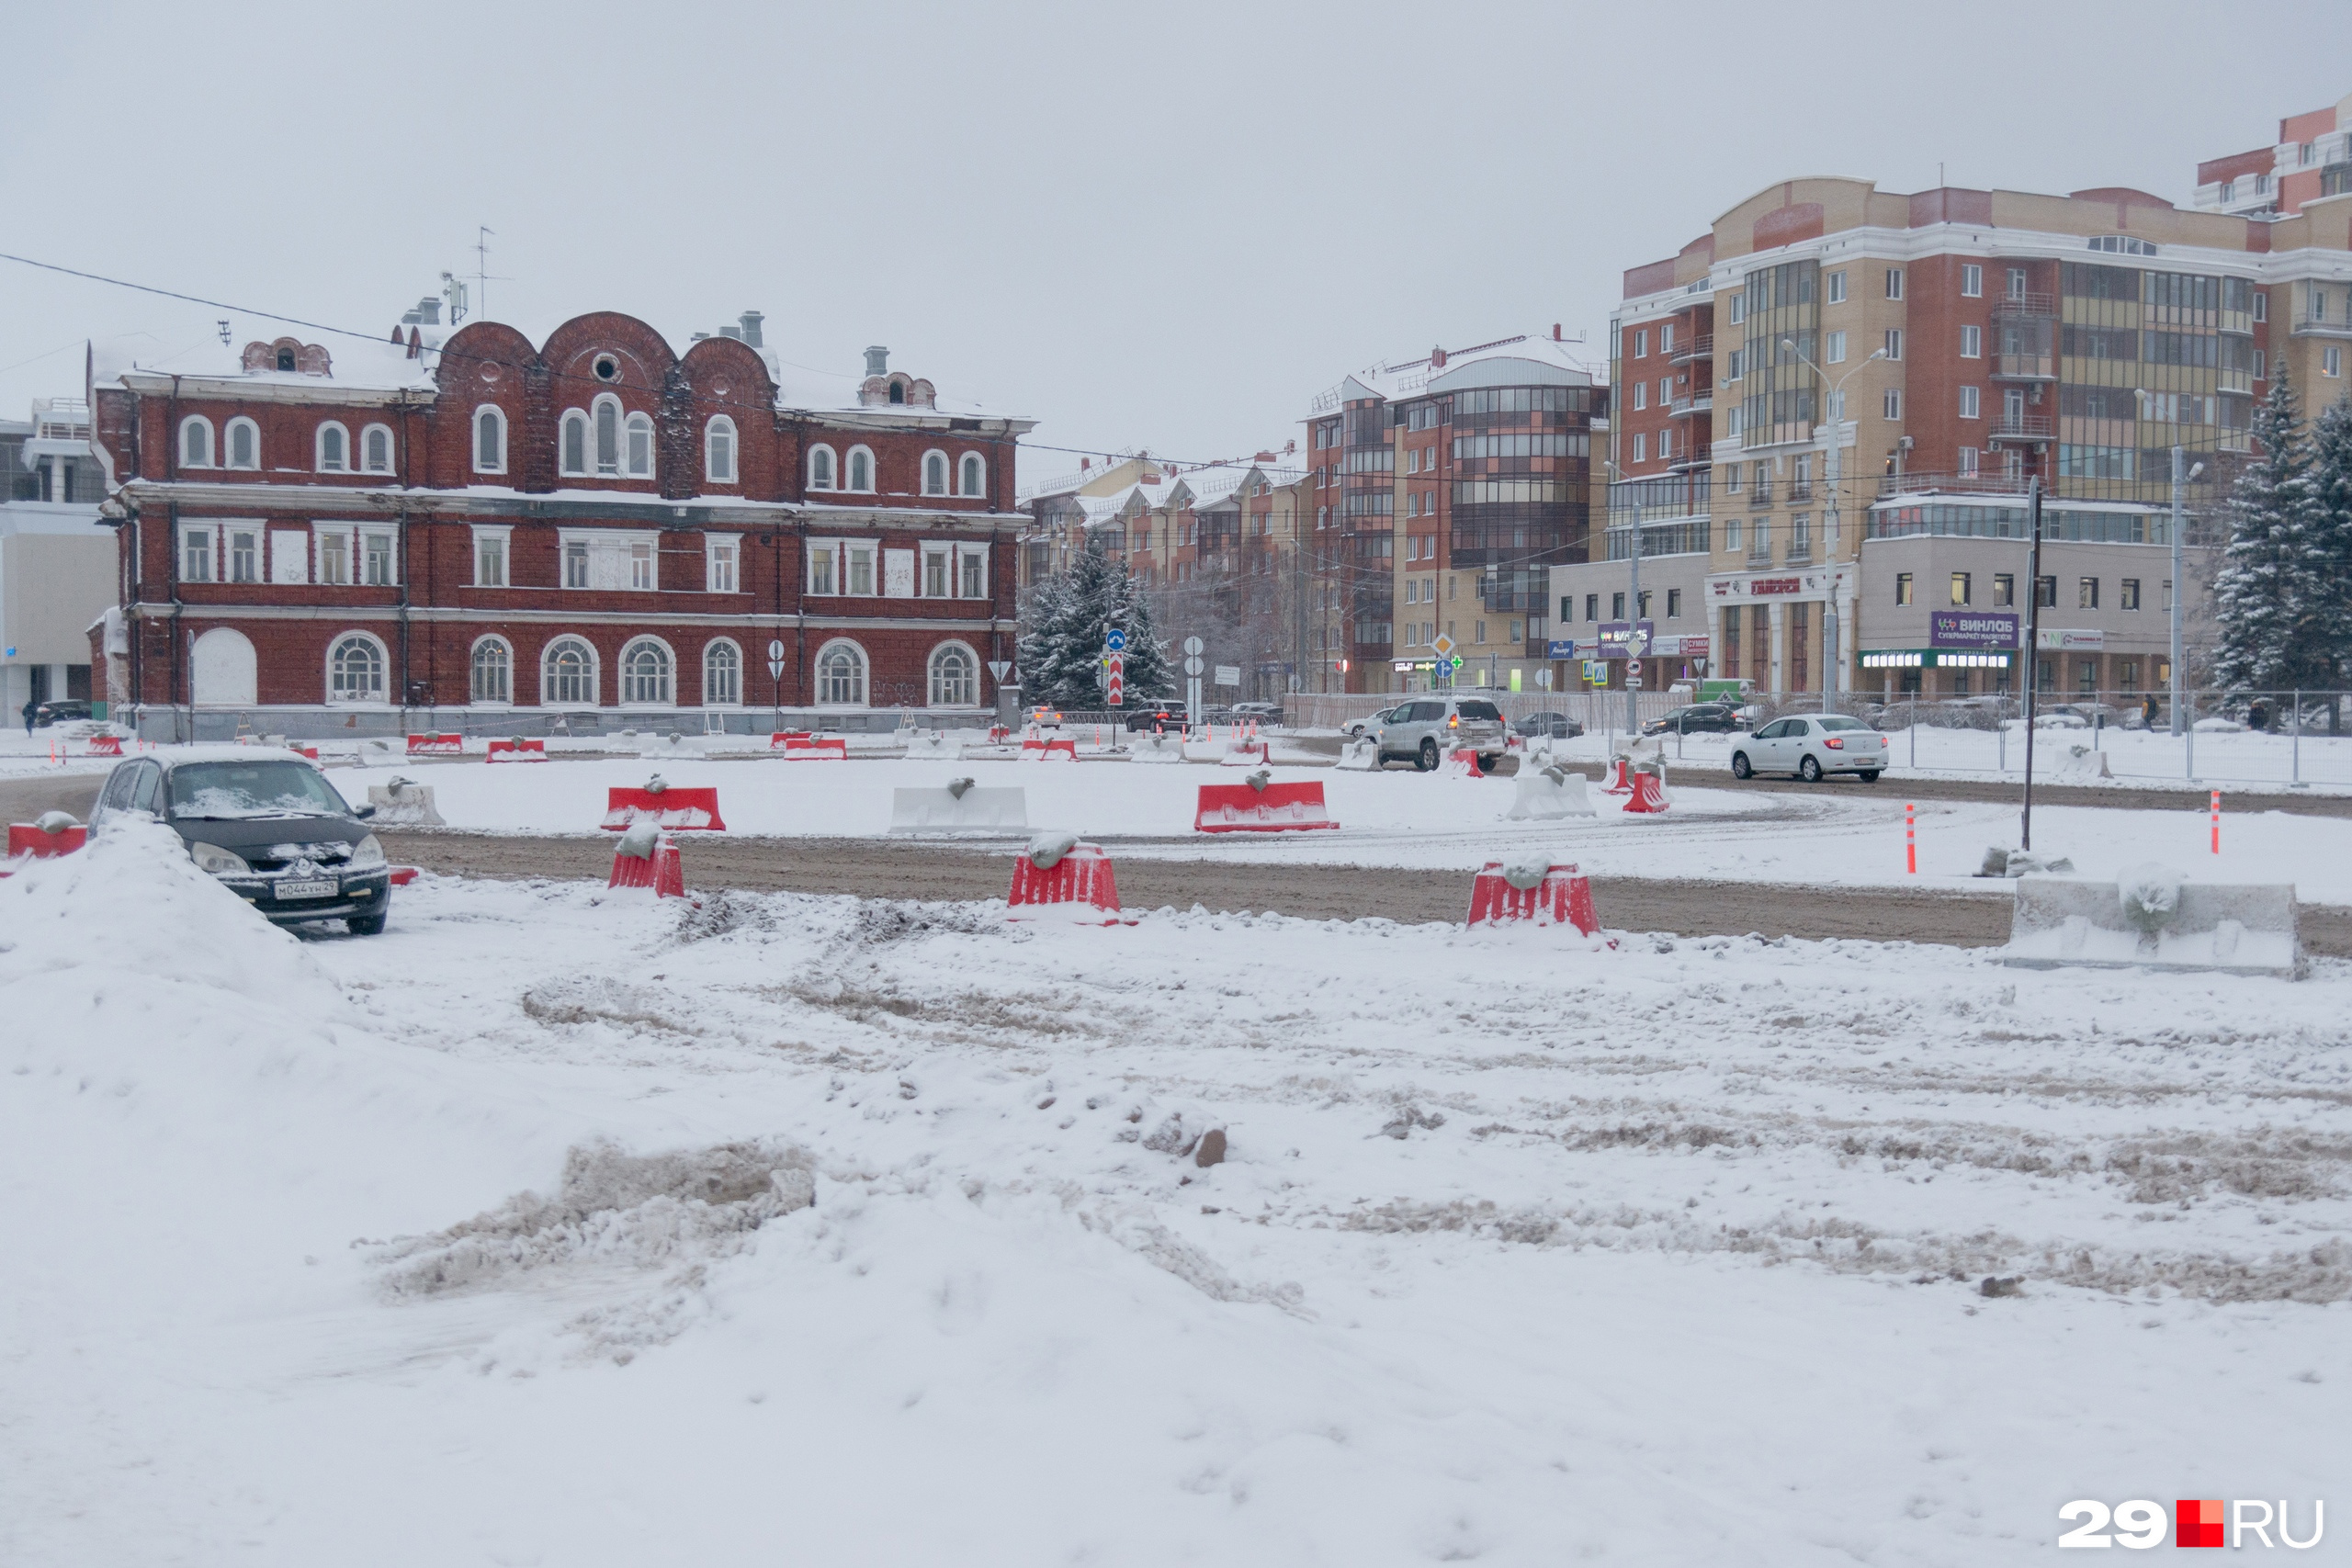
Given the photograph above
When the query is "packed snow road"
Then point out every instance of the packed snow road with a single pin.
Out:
(875, 1232)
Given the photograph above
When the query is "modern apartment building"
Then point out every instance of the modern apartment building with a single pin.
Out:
(1869, 380)
(1445, 490)
(57, 559)
(2312, 158)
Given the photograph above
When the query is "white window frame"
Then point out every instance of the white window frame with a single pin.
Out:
(945, 474)
(939, 555)
(1833, 348)
(1642, 344)
(622, 542)
(501, 535)
(497, 416)
(1894, 342)
(473, 696)
(1835, 294)
(864, 674)
(1641, 447)
(832, 468)
(861, 555)
(1641, 394)
(361, 553)
(229, 442)
(634, 426)
(1972, 281)
(2330, 362)
(383, 667)
(849, 470)
(1968, 458)
(827, 554)
(971, 486)
(251, 533)
(1972, 402)
(1895, 283)
(596, 407)
(347, 537)
(203, 537)
(722, 563)
(1972, 341)
(930, 674)
(717, 429)
(1890, 404)
(710, 647)
(967, 556)
(669, 697)
(391, 449)
(319, 463)
(211, 452)
(575, 418)
(596, 673)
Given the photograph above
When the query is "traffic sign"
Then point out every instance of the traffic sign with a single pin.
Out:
(775, 660)
(1192, 666)
(998, 668)
(1117, 687)
(1195, 647)
(1443, 644)
(1115, 640)
(1457, 661)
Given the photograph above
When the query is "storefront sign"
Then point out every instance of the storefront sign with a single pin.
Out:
(2071, 642)
(1612, 636)
(1762, 587)
(1694, 645)
(1973, 628)
(1560, 648)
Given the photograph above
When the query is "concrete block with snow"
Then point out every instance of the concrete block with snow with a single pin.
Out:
(2153, 918)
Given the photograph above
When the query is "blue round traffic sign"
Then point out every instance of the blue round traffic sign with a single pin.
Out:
(1117, 641)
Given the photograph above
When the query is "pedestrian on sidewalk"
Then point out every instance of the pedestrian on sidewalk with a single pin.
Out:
(2148, 711)
(32, 708)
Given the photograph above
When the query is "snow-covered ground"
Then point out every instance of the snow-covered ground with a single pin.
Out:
(1522, 1252)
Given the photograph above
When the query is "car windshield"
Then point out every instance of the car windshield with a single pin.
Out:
(252, 789)
(1478, 710)
(1840, 721)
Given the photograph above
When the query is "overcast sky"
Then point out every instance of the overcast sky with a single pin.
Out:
(1164, 227)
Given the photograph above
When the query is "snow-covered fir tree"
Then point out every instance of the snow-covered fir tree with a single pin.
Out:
(1062, 648)
(2331, 478)
(2268, 597)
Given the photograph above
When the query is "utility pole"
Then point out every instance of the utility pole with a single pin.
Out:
(2033, 649)
(1634, 647)
(2180, 591)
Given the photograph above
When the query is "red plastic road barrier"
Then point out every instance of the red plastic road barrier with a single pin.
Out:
(1563, 898)
(783, 738)
(106, 745)
(1619, 782)
(1047, 751)
(1468, 759)
(310, 752)
(812, 749)
(1277, 808)
(2216, 821)
(1910, 837)
(1649, 795)
(1082, 877)
(435, 744)
(519, 751)
(675, 809)
(998, 735)
(28, 839)
(664, 871)
(403, 876)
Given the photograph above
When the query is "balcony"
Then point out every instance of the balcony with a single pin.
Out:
(2023, 429)
(2015, 305)
(1761, 496)
(1700, 347)
(2309, 325)
(2024, 367)
(1800, 491)
(1701, 402)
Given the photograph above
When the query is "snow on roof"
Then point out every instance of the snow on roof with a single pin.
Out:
(355, 364)
(1555, 363)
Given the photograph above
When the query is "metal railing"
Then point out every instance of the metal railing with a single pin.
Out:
(2025, 304)
(2024, 427)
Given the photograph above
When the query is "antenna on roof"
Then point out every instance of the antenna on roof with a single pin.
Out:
(484, 277)
(223, 325)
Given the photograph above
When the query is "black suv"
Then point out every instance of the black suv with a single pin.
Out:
(1699, 719)
(61, 710)
(268, 825)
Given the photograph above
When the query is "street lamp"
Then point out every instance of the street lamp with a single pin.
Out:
(1832, 466)
(2179, 584)
(1633, 613)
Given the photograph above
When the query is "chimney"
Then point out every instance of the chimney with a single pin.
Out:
(428, 309)
(752, 319)
(735, 333)
(1556, 332)
(878, 361)
(698, 337)
(1437, 359)
(415, 344)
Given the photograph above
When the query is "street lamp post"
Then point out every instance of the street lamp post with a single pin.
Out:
(1632, 611)
(1833, 468)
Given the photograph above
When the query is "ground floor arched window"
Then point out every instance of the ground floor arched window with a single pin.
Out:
(722, 674)
(955, 677)
(355, 670)
(841, 675)
(567, 673)
(646, 672)
(492, 674)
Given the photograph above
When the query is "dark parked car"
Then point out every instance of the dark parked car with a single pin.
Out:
(61, 710)
(1558, 726)
(267, 824)
(1698, 718)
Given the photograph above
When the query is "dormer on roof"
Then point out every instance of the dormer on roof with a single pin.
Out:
(291, 355)
(885, 387)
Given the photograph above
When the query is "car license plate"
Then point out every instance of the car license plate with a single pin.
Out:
(318, 888)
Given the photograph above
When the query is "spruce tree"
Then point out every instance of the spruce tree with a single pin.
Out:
(2331, 474)
(1061, 650)
(2269, 593)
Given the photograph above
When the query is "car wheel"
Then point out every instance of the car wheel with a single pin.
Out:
(369, 925)
(1740, 766)
(1425, 761)
(1868, 775)
(1488, 763)
(1809, 769)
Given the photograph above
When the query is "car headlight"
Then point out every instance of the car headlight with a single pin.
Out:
(219, 861)
(367, 855)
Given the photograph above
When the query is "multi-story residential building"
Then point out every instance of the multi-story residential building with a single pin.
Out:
(1889, 372)
(2312, 158)
(57, 561)
(475, 529)
(1445, 488)
(1215, 549)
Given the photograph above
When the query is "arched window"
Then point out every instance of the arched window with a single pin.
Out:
(573, 455)
(376, 450)
(841, 675)
(897, 391)
(718, 450)
(490, 439)
(493, 672)
(955, 677)
(286, 359)
(935, 473)
(334, 449)
(242, 439)
(722, 674)
(820, 468)
(195, 442)
(355, 670)
(861, 469)
(645, 672)
(639, 434)
(568, 674)
(608, 436)
(975, 475)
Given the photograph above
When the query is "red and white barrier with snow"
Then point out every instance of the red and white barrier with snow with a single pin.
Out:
(664, 805)
(1061, 877)
(1262, 807)
(1650, 789)
(52, 833)
(518, 750)
(814, 748)
(435, 744)
(1532, 890)
(1462, 764)
(1037, 749)
(646, 858)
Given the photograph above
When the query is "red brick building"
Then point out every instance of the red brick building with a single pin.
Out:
(468, 531)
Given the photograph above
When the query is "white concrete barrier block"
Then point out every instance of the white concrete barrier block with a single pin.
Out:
(2147, 920)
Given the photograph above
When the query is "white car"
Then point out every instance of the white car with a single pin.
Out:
(1810, 747)
(1361, 727)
